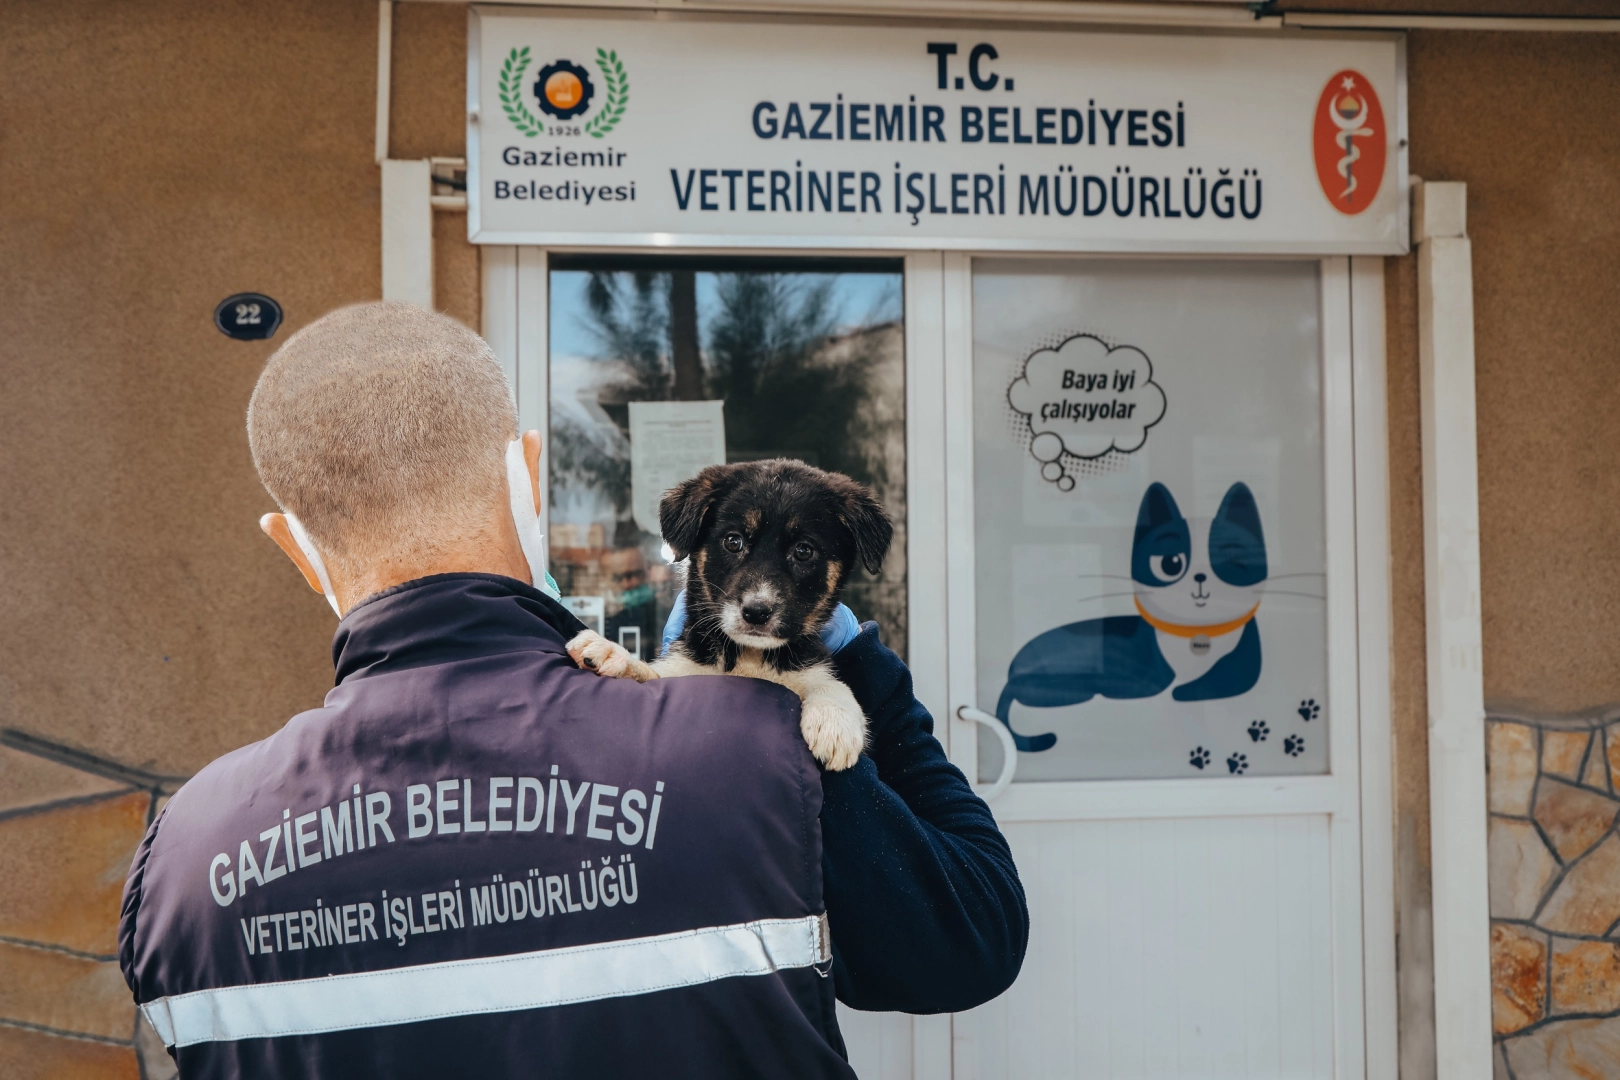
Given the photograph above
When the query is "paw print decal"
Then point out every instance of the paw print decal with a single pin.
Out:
(1259, 730)
(1309, 710)
(1237, 764)
(1294, 745)
(1198, 758)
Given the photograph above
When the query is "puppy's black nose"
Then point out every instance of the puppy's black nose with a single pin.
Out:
(1200, 578)
(756, 614)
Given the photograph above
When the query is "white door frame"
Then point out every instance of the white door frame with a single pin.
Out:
(1375, 622)
(1356, 794)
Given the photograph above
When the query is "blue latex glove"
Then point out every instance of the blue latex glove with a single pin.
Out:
(839, 631)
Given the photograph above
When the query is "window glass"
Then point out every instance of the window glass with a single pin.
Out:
(1148, 503)
(708, 360)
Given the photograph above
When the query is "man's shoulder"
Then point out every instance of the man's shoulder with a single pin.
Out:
(349, 731)
(242, 777)
(734, 691)
(718, 713)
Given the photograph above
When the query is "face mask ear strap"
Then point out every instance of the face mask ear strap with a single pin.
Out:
(301, 538)
(520, 490)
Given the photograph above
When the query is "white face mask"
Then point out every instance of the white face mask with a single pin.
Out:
(520, 489)
(301, 538)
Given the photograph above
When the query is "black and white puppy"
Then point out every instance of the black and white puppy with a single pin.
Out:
(769, 546)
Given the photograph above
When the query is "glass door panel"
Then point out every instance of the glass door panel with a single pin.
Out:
(660, 365)
(1149, 517)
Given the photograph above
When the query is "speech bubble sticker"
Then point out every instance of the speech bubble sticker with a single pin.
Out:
(1085, 399)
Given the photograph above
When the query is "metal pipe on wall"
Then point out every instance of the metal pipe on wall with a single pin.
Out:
(1328, 20)
(407, 193)
(407, 232)
(1457, 808)
(385, 73)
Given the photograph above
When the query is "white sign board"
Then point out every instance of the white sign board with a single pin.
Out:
(634, 131)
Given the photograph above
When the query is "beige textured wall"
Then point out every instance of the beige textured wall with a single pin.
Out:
(147, 619)
(156, 157)
(1526, 120)
(224, 161)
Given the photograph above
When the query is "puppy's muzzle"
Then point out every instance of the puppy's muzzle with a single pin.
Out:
(753, 621)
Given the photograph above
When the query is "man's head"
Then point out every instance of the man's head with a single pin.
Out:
(383, 427)
(626, 567)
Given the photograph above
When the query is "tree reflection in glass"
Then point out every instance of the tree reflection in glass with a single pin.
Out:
(808, 356)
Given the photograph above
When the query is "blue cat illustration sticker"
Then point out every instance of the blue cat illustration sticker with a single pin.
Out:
(1197, 588)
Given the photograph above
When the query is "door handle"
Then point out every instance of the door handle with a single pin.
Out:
(1009, 751)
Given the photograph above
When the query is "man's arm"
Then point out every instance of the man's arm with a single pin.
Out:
(926, 908)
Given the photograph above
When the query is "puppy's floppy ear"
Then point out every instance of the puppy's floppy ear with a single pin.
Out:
(682, 509)
(867, 522)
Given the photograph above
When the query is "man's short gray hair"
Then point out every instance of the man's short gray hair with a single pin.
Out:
(383, 427)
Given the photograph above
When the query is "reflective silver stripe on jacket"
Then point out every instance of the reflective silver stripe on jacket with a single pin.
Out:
(490, 984)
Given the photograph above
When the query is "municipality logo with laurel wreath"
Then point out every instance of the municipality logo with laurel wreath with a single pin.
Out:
(564, 91)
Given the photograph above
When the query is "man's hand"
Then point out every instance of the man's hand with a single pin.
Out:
(839, 630)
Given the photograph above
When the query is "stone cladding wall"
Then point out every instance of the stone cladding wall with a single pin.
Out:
(1555, 897)
(64, 1008)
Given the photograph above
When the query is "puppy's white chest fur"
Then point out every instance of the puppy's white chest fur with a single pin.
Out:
(830, 719)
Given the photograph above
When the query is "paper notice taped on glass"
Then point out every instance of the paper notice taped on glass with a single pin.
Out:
(671, 441)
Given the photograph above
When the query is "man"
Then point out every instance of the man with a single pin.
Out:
(626, 571)
(478, 860)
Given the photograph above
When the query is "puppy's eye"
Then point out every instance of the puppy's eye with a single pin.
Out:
(733, 542)
(803, 552)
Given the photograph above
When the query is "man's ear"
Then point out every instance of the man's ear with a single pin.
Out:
(868, 523)
(683, 508)
(276, 528)
(531, 458)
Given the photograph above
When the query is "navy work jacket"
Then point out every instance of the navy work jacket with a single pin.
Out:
(477, 859)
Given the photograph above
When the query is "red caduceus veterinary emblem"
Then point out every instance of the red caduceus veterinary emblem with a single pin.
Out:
(1350, 142)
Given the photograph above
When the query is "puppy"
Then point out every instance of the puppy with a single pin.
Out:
(770, 545)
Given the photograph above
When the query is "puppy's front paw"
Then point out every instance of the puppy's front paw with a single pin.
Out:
(835, 729)
(594, 652)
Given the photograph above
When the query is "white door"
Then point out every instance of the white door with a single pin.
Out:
(1152, 583)
(1186, 922)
